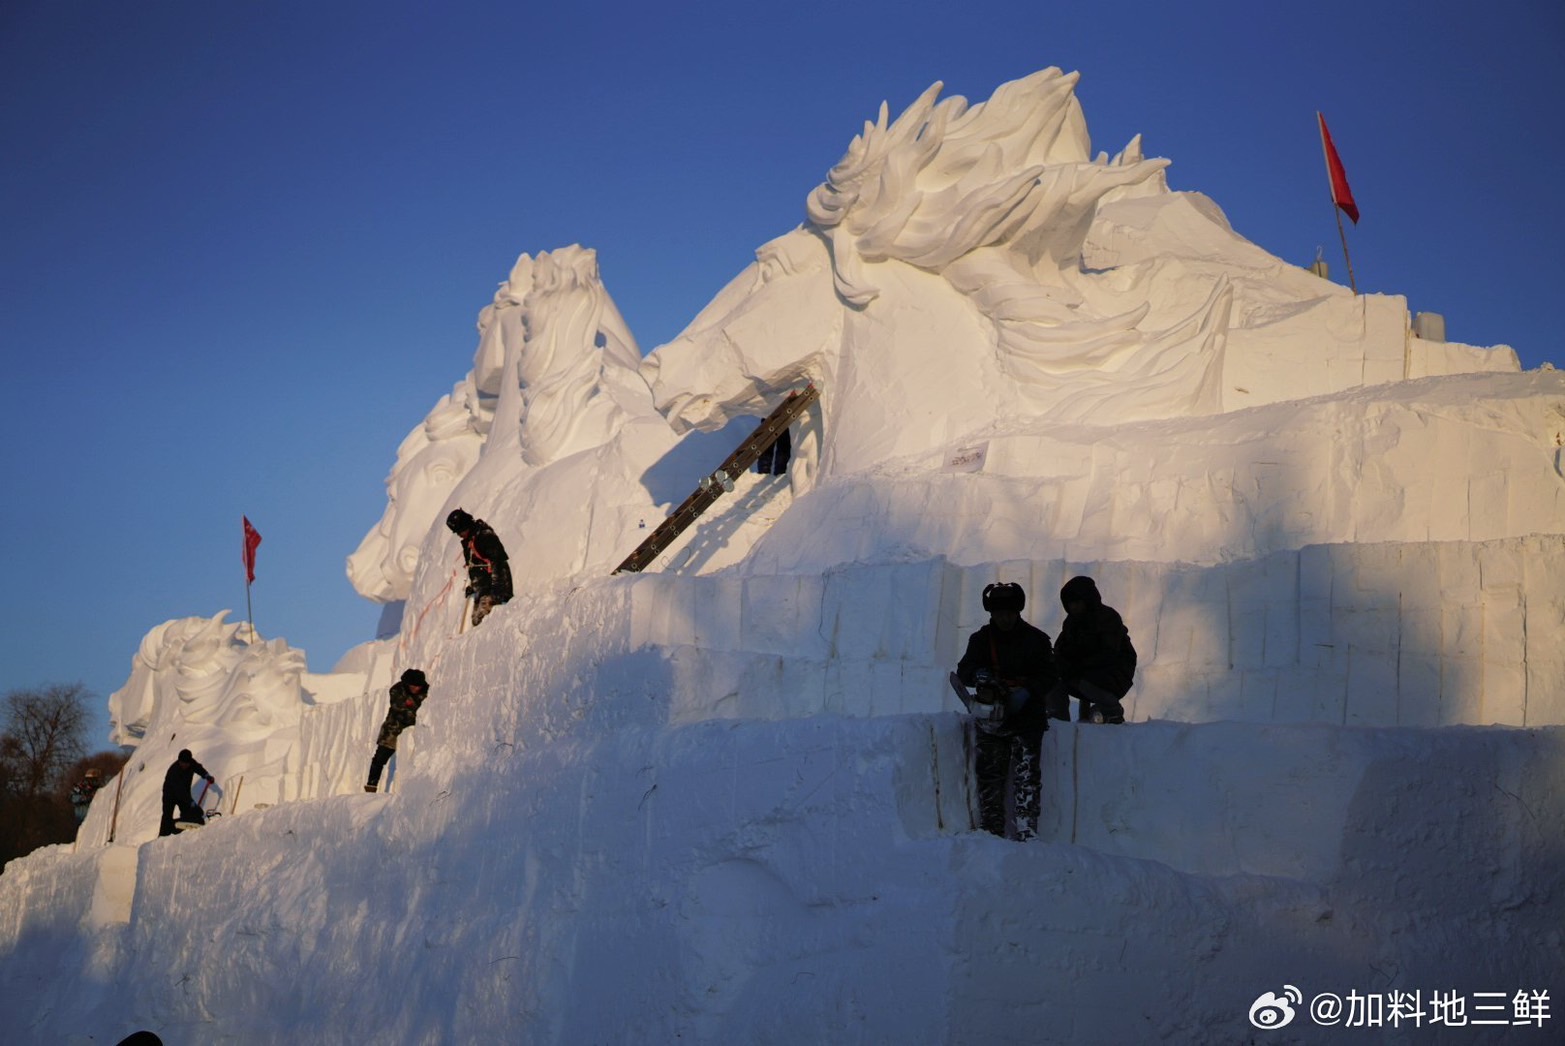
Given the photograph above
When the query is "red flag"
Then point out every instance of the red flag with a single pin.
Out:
(1341, 195)
(252, 541)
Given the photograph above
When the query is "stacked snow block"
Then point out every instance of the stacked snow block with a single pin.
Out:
(1313, 803)
(1426, 634)
(1421, 634)
(46, 895)
(1353, 341)
(860, 640)
(1430, 359)
(1472, 458)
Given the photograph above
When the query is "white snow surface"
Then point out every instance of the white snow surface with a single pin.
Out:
(728, 800)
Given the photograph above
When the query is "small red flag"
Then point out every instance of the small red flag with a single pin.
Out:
(252, 541)
(1341, 195)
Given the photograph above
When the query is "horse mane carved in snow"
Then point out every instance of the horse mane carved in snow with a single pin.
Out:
(994, 202)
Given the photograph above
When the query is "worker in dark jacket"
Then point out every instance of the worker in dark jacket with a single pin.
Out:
(406, 695)
(1094, 655)
(1012, 660)
(177, 780)
(86, 788)
(488, 568)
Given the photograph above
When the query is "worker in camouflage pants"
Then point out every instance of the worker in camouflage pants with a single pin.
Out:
(407, 694)
(1009, 661)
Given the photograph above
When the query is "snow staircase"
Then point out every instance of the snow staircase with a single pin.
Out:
(712, 487)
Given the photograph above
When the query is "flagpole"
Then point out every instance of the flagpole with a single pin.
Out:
(252, 541)
(1320, 123)
(1344, 235)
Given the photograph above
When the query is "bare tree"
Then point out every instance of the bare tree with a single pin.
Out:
(40, 744)
(46, 726)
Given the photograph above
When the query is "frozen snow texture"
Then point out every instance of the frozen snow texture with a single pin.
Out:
(727, 800)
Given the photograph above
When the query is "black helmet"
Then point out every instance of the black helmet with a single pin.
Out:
(1004, 595)
(185, 756)
(415, 677)
(458, 521)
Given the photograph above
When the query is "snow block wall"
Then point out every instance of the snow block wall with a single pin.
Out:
(1455, 459)
(1360, 340)
(812, 875)
(1427, 634)
(1301, 802)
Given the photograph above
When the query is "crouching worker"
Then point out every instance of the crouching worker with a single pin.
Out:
(406, 695)
(177, 780)
(1094, 655)
(1009, 661)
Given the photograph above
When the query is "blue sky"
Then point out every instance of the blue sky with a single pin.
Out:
(243, 245)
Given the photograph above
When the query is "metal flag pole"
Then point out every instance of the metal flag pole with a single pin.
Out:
(1341, 232)
(252, 541)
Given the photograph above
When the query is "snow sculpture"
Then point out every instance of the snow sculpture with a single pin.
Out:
(573, 397)
(555, 373)
(440, 451)
(205, 672)
(563, 473)
(952, 239)
(998, 199)
(551, 438)
(238, 703)
(963, 267)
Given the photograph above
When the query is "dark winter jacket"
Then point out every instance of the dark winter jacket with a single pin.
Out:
(179, 778)
(1020, 657)
(488, 568)
(1094, 644)
(403, 713)
(81, 795)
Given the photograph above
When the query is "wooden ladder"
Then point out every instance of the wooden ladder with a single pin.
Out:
(712, 487)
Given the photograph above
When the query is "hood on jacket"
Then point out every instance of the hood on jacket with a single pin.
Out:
(1082, 588)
